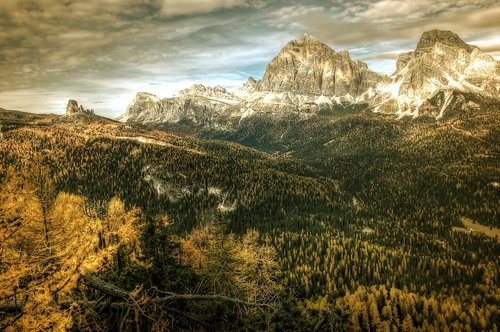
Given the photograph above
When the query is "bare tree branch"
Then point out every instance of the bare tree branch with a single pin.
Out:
(110, 289)
(105, 287)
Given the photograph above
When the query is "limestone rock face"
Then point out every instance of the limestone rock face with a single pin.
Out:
(249, 87)
(306, 66)
(72, 109)
(197, 104)
(403, 59)
(441, 61)
(143, 106)
(448, 38)
(307, 77)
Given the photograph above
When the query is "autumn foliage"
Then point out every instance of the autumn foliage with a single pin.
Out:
(44, 255)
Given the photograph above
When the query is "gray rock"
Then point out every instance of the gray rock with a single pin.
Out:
(73, 109)
(441, 61)
(249, 87)
(403, 59)
(307, 66)
(197, 104)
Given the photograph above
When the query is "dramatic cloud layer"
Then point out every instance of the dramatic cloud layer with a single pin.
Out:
(102, 52)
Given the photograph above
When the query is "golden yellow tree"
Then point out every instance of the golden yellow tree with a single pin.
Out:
(45, 249)
(240, 268)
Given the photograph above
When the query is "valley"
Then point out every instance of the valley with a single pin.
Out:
(324, 196)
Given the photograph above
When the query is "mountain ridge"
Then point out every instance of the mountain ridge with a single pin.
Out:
(308, 77)
(440, 62)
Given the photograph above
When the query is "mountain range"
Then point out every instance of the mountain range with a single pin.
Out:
(379, 194)
(441, 78)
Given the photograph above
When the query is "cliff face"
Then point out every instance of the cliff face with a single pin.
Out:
(441, 61)
(306, 66)
(307, 76)
(402, 61)
(72, 109)
(198, 105)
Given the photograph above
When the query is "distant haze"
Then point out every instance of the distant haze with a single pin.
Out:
(101, 52)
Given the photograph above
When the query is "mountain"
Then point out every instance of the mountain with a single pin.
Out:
(197, 105)
(247, 88)
(438, 79)
(442, 67)
(307, 74)
(306, 66)
(305, 77)
(72, 109)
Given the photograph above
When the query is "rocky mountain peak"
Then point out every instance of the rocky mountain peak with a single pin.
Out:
(305, 46)
(72, 108)
(403, 59)
(194, 89)
(247, 88)
(251, 81)
(143, 101)
(432, 37)
(441, 63)
(307, 39)
(200, 90)
(146, 95)
(306, 66)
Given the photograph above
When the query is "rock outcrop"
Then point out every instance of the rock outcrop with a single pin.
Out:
(249, 87)
(72, 109)
(402, 61)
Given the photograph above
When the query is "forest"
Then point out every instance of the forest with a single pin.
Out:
(346, 223)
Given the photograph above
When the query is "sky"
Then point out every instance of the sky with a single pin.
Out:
(102, 52)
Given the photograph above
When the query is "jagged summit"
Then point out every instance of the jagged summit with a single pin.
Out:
(306, 45)
(441, 63)
(72, 108)
(247, 88)
(432, 37)
(307, 39)
(307, 76)
(206, 91)
(194, 104)
(145, 94)
(307, 66)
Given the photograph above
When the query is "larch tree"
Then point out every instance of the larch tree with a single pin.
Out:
(233, 267)
(45, 247)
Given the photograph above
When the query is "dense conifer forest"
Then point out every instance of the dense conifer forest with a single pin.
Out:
(354, 222)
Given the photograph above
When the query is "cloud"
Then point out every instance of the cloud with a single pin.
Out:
(104, 51)
(171, 8)
(488, 45)
(361, 28)
(409, 10)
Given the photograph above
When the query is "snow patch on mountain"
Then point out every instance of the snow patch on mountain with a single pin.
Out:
(442, 61)
(307, 76)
